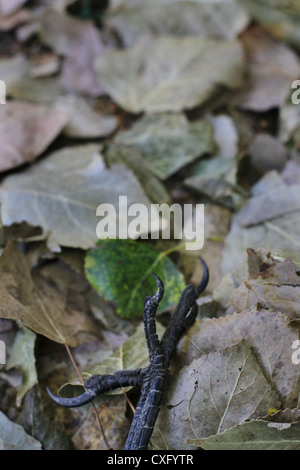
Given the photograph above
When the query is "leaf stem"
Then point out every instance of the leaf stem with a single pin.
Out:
(93, 405)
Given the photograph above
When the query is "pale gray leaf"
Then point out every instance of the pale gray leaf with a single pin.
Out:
(169, 141)
(61, 195)
(133, 158)
(214, 393)
(272, 68)
(269, 335)
(84, 121)
(255, 435)
(35, 421)
(13, 436)
(22, 357)
(26, 130)
(269, 220)
(218, 19)
(170, 73)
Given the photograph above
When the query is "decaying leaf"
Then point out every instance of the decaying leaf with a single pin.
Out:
(84, 121)
(80, 42)
(36, 423)
(133, 158)
(169, 141)
(273, 67)
(170, 73)
(275, 287)
(255, 435)
(270, 219)
(13, 436)
(22, 357)
(61, 195)
(212, 394)
(26, 130)
(35, 303)
(221, 19)
(268, 334)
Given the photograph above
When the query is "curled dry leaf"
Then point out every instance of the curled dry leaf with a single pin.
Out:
(275, 287)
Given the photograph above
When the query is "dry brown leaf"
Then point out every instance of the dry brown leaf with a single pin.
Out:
(275, 287)
(36, 303)
(269, 336)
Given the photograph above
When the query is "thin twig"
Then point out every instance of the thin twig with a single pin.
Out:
(93, 405)
(128, 400)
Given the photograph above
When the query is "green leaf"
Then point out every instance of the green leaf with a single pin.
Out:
(120, 271)
(255, 435)
(170, 73)
(13, 436)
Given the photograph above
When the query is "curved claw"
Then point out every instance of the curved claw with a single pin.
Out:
(82, 399)
(160, 288)
(205, 278)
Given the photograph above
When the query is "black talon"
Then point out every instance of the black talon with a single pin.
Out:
(82, 399)
(152, 378)
(205, 278)
(160, 288)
